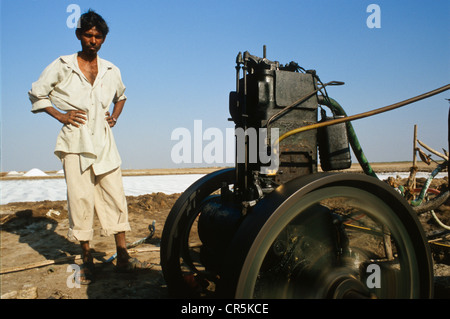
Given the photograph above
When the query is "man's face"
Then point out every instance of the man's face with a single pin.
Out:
(91, 40)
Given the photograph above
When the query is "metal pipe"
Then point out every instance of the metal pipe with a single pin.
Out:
(353, 139)
(425, 187)
(245, 118)
(239, 61)
(337, 109)
(365, 114)
(300, 100)
(238, 70)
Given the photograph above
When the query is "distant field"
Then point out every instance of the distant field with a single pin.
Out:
(377, 167)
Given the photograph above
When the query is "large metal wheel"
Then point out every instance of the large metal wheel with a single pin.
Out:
(330, 236)
(182, 267)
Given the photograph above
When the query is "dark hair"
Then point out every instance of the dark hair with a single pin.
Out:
(92, 19)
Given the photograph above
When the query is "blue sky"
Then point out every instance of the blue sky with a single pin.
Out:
(177, 60)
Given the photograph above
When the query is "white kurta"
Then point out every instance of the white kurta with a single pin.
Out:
(64, 85)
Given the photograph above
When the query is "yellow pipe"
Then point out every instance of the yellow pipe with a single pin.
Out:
(363, 115)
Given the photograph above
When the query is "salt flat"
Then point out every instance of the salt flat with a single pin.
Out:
(31, 190)
(51, 186)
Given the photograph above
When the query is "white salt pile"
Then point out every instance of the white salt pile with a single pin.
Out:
(35, 172)
(14, 173)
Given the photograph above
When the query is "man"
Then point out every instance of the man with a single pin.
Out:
(83, 86)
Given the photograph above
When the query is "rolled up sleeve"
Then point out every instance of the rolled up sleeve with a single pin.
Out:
(41, 89)
(120, 87)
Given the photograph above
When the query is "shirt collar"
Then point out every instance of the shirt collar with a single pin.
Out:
(71, 62)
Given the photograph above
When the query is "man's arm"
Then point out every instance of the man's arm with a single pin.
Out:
(40, 90)
(71, 117)
(117, 110)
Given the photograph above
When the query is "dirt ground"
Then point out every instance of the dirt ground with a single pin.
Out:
(37, 258)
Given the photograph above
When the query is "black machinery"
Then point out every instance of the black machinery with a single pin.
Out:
(275, 227)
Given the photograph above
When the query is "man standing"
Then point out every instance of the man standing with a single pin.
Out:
(83, 86)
